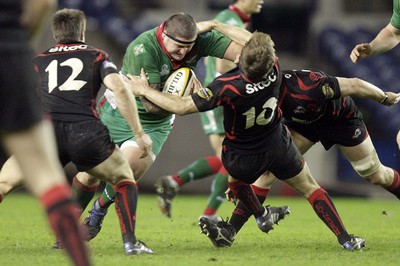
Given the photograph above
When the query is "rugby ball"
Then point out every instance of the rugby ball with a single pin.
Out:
(180, 82)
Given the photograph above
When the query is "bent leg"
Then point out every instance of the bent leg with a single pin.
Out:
(366, 163)
(117, 172)
(322, 204)
(11, 177)
(35, 152)
(261, 188)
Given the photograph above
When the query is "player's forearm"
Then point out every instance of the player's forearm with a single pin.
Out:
(223, 66)
(360, 88)
(127, 107)
(236, 34)
(171, 103)
(125, 101)
(386, 40)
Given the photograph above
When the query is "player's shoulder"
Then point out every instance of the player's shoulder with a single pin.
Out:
(148, 38)
(229, 17)
(231, 76)
(145, 43)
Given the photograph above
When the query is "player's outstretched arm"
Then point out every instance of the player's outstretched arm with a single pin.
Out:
(235, 33)
(172, 103)
(386, 39)
(363, 89)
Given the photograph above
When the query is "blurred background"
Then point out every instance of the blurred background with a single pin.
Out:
(307, 33)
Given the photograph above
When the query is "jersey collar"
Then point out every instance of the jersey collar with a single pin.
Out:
(159, 32)
(243, 16)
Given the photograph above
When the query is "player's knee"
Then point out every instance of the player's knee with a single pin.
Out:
(5, 188)
(368, 167)
(383, 177)
(125, 174)
(375, 179)
(86, 179)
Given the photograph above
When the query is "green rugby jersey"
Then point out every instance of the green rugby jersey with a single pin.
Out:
(146, 52)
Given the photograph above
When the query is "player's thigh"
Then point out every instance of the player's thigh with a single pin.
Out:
(358, 152)
(114, 169)
(35, 151)
(302, 143)
(138, 165)
(213, 121)
(87, 179)
(304, 183)
(133, 153)
(265, 180)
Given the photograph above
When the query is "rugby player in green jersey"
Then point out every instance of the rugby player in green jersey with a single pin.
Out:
(175, 43)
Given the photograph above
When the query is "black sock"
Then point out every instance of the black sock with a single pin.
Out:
(326, 211)
(125, 206)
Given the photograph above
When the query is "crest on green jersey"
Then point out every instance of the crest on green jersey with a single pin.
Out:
(165, 70)
(138, 49)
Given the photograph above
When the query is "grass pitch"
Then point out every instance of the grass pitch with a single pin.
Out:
(300, 239)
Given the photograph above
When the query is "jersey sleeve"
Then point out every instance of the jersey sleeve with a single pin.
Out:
(140, 54)
(107, 67)
(229, 17)
(133, 62)
(330, 88)
(207, 99)
(214, 43)
(395, 20)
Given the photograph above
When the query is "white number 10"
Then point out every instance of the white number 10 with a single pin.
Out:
(260, 119)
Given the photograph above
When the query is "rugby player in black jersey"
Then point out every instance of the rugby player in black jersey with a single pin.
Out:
(71, 74)
(24, 131)
(256, 141)
(318, 108)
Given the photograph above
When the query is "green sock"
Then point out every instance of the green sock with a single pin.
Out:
(199, 169)
(81, 193)
(217, 195)
(107, 197)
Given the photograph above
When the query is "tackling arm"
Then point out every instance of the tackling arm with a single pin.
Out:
(150, 106)
(238, 35)
(235, 33)
(223, 65)
(127, 107)
(363, 89)
(172, 103)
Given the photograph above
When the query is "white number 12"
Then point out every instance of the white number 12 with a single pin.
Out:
(71, 84)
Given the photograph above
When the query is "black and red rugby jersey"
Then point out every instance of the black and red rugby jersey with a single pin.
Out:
(251, 110)
(71, 75)
(307, 96)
